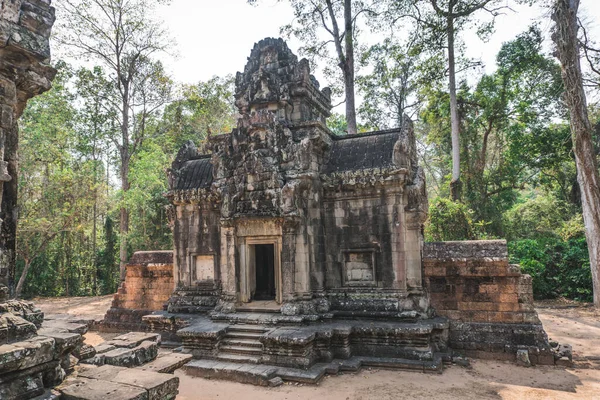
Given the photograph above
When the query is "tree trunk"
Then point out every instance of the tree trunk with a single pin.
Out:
(124, 223)
(567, 46)
(455, 184)
(124, 213)
(349, 69)
(19, 287)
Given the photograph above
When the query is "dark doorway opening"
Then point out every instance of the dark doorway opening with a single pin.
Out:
(265, 271)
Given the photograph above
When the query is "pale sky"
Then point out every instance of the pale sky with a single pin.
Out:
(215, 37)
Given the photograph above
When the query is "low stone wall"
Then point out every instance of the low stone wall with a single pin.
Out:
(488, 301)
(147, 287)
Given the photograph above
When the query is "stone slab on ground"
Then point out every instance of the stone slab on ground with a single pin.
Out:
(167, 363)
(159, 386)
(104, 348)
(89, 320)
(134, 339)
(126, 357)
(94, 389)
(65, 326)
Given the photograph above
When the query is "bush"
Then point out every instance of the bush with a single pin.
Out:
(558, 267)
(536, 217)
(449, 220)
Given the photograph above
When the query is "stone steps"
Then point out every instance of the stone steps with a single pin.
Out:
(241, 350)
(245, 349)
(238, 358)
(267, 375)
(244, 335)
(262, 318)
(243, 342)
(237, 328)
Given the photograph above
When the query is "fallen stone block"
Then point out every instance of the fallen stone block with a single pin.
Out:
(65, 326)
(104, 348)
(30, 382)
(24, 309)
(523, 358)
(84, 352)
(167, 363)
(94, 389)
(25, 388)
(65, 342)
(159, 386)
(14, 328)
(26, 354)
(134, 339)
(126, 357)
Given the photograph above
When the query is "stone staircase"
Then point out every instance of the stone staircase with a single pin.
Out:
(267, 349)
(241, 343)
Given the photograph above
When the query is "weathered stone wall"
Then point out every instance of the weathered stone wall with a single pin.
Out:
(488, 301)
(147, 287)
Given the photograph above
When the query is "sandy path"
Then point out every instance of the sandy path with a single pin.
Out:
(579, 326)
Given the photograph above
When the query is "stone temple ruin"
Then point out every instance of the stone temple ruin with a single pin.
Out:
(296, 253)
(299, 253)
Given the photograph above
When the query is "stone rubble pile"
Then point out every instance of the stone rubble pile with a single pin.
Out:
(34, 359)
(127, 367)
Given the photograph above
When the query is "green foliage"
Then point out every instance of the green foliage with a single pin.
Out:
(509, 135)
(537, 217)
(201, 110)
(449, 220)
(558, 267)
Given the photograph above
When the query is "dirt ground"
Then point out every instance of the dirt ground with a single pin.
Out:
(565, 322)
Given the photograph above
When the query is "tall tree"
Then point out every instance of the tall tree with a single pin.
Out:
(94, 128)
(451, 12)
(565, 37)
(123, 38)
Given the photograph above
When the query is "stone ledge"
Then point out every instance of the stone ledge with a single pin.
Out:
(264, 375)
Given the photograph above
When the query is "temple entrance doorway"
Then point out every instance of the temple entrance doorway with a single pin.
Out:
(264, 262)
(260, 272)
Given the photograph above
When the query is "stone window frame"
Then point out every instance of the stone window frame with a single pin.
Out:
(192, 268)
(344, 255)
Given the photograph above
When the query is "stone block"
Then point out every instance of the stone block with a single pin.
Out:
(84, 352)
(159, 386)
(26, 354)
(167, 363)
(65, 326)
(94, 389)
(130, 357)
(523, 358)
(133, 339)
(28, 386)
